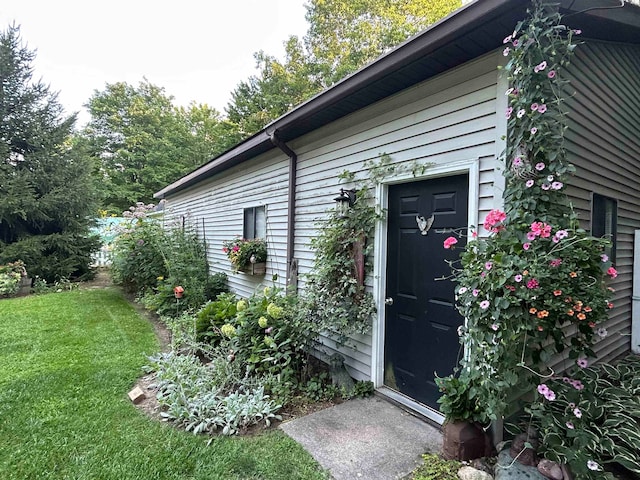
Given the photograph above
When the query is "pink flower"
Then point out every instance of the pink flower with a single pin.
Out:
(517, 161)
(506, 51)
(591, 465)
(534, 106)
(268, 330)
(518, 278)
(540, 166)
(550, 395)
(493, 218)
(543, 389)
(551, 74)
(494, 327)
(545, 186)
(521, 113)
(449, 242)
(509, 112)
(542, 108)
(531, 236)
(529, 183)
(582, 362)
(577, 384)
(541, 66)
(475, 292)
(533, 283)
(577, 412)
(235, 248)
(604, 257)
(557, 185)
(507, 39)
(526, 246)
(555, 262)
(570, 425)
(577, 31)
(488, 265)
(612, 272)
(516, 43)
(562, 234)
(601, 332)
(534, 130)
(484, 304)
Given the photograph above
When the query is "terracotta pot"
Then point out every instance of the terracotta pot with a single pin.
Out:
(464, 441)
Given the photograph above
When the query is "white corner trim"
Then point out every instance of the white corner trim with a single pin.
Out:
(472, 168)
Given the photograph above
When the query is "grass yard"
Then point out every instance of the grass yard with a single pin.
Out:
(67, 361)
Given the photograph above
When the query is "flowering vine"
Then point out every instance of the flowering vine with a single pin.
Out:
(536, 286)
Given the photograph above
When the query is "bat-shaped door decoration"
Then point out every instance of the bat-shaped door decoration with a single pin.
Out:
(425, 224)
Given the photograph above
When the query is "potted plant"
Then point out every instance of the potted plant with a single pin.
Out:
(464, 437)
(248, 256)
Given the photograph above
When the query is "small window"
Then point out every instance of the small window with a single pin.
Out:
(255, 223)
(604, 221)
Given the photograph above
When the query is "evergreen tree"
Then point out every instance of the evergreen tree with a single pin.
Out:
(46, 186)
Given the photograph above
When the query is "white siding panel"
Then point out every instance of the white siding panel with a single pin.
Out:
(445, 120)
(221, 201)
(603, 142)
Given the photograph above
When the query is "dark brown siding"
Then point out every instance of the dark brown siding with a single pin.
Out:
(603, 142)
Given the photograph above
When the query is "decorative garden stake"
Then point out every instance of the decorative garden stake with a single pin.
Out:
(178, 291)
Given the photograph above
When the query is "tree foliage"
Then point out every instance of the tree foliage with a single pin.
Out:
(46, 188)
(343, 36)
(142, 141)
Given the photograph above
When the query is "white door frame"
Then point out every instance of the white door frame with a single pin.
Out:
(470, 167)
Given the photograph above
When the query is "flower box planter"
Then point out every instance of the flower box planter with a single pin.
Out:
(259, 268)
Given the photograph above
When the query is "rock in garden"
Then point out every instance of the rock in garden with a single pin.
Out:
(481, 464)
(525, 455)
(508, 469)
(137, 395)
(470, 473)
(550, 469)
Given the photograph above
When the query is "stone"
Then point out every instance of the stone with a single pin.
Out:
(482, 464)
(550, 469)
(508, 469)
(137, 395)
(470, 473)
(525, 455)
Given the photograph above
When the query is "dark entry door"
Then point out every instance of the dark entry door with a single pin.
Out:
(421, 320)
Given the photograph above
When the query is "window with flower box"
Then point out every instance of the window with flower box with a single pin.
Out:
(255, 223)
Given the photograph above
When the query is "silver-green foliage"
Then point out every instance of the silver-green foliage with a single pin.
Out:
(204, 398)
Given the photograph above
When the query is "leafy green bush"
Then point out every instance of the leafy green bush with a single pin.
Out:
(137, 260)
(268, 336)
(213, 315)
(153, 261)
(10, 277)
(591, 418)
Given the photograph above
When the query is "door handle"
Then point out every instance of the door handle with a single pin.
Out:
(388, 301)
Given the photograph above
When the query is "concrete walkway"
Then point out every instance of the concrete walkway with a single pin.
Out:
(365, 439)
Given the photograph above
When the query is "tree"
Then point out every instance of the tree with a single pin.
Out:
(46, 188)
(343, 36)
(142, 141)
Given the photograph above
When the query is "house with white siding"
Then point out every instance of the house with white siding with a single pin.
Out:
(436, 100)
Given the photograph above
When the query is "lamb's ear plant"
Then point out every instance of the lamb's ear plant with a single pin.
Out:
(537, 275)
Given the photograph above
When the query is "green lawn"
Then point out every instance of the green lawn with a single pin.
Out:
(67, 361)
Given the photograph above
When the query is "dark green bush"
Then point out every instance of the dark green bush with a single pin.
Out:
(214, 315)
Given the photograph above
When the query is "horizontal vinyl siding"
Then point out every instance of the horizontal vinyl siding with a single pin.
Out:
(448, 119)
(603, 142)
(221, 202)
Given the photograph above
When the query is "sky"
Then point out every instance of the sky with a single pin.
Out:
(198, 50)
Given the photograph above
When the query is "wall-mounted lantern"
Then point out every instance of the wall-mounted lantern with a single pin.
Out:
(345, 201)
